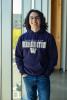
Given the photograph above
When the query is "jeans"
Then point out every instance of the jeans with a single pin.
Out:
(35, 88)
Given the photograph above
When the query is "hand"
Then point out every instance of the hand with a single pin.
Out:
(24, 75)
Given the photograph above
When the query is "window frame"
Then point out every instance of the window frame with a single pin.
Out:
(5, 51)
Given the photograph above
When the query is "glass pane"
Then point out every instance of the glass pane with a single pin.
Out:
(38, 4)
(45, 8)
(16, 33)
(25, 8)
(20, 9)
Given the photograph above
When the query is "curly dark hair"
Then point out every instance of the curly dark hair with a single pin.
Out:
(42, 18)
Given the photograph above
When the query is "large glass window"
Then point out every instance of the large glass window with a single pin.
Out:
(20, 9)
(16, 33)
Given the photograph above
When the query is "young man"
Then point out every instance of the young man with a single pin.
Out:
(36, 56)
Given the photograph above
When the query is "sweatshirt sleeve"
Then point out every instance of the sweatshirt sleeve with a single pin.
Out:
(19, 56)
(52, 55)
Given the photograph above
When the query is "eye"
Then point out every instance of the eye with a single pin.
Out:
(32, 17)
(36, 17)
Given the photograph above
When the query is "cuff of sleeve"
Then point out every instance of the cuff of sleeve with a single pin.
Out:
(49, 72)
(21, 70)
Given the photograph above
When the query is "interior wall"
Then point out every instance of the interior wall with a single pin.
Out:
(56, 26)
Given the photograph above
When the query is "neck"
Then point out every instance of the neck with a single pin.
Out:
(35, 29)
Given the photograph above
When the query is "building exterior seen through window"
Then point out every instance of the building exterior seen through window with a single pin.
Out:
(16, 33)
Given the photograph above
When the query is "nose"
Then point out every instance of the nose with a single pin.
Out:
(34, 19)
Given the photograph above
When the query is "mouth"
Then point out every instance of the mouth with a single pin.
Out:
(34, 23)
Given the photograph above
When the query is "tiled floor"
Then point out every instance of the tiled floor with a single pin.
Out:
(59, 86)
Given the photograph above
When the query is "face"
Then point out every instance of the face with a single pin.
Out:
(34, 20)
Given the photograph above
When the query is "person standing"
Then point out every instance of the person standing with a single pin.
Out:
(36, 57)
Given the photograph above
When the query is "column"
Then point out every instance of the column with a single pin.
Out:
(64, 35)
(6, 50)
(0, 51)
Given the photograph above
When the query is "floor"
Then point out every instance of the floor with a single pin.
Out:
(59, 86)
